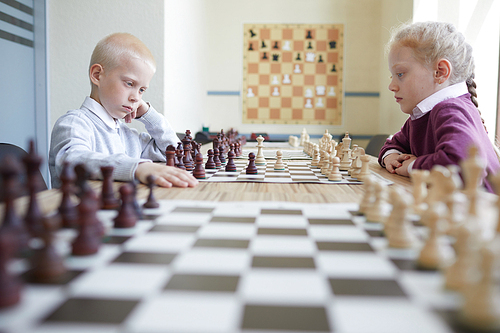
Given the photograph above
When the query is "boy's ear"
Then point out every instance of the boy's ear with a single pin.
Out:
(96, 71)
(443, 71)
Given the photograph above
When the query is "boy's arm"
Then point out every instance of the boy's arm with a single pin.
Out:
(159, 135)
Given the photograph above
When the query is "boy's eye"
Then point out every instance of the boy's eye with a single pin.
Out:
(129, 84)
(399, 75)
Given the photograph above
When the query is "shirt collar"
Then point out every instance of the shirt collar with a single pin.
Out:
(430, 102)
(93, 106)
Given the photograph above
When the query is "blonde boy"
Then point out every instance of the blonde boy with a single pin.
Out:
(120, 70)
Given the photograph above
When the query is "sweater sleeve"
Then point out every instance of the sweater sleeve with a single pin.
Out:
(73, 140)
(399, 141)
(159, 135)
(453, 131)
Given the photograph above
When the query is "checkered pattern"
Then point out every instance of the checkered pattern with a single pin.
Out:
(290, 78)
(193, 266)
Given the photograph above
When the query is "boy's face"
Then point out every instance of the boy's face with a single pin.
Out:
(411, 81)
(120, 89)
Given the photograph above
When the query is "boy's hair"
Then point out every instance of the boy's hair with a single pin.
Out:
(110, 50)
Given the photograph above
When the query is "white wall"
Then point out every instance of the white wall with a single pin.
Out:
(479, 21)
(75, 27)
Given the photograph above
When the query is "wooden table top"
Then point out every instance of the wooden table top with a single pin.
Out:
(239, 191)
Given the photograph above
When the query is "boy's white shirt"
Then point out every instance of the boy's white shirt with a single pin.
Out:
(427, 104)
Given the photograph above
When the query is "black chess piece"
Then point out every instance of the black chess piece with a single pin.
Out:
(251, 168)
(252, 34)
(309, 34)
(216, 158)
(250, 47)
(151, 201)
(88, 240)
(199, 171)
(67, 208)
(10, 285)
(264, 56)
(230, 166)
(210, 164)
(298, 57)
(108, 199)
(170, 155)
(309, 45)
(127, 217)
(320, 59)
(33, 217)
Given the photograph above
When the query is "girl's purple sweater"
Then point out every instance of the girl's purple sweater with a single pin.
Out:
(443, 135)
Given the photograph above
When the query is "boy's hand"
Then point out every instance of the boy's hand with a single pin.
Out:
(142, 108)
(395, 161)
(166, 176)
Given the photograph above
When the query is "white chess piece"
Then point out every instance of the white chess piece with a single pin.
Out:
(286, 79)
(308, 104)
(331, 92)
(303, 136)
(320, 90)
(275, 80)
(374, 213)
(335, 174)
(275, 92)
(286, 45)
(279, 165)
(310, 57)
(297, 70)
(260, 159)
(398, 227)
(250, 93)
(319, 103)
(309, 93)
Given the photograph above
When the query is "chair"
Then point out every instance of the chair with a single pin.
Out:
(376, 142)
(10, 149)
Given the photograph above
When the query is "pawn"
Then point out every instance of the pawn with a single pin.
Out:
(251, 168)
(10, 286)
(210, 164)
(108, 199)
(374, 212)
(151, 202)
(217, 162)
(88, 240)
(170, 155)
(48, 264)
(279, 165)
(127, 216)
(199, 171)
(67, 209)
(230, 166)
(335, 174)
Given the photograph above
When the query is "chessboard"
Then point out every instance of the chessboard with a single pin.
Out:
(192, 266)
(292, 74)
(295, 172)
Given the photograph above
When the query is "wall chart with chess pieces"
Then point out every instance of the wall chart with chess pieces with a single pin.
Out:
(326, 162)
(426, 261)
(292, 74)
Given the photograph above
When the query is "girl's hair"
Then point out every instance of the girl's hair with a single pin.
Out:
(432, 41)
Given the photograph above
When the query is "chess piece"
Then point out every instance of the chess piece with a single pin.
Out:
(398, 227)
(368, 196)
(127, 217)
(374, 212)
(217, 162)
(12, 223)
(308, 104)
(315, 160)
(88, 240)
(279, 165)
(462, 270)
(10, 285)
(187, 159)
(251, 168)
(335, 174)
(108, 200)
(418, 178)
(365, 168)
(345, 162)
(82, 176)
(170, 155)
(33, 217)
(210, 164)
(67, 208)
(260, 159)
(481, 310)
(151, 201)
(230, 166)
(434, 254)
(48, 264)
(199, 171)
(179, 152)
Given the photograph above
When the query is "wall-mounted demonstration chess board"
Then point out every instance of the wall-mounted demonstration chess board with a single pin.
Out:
(292, 74)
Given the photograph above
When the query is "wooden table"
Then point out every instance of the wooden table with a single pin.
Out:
(241, 191)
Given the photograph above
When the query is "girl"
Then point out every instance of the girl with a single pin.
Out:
(432, 71)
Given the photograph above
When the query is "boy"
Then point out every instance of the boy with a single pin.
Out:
(120, 70)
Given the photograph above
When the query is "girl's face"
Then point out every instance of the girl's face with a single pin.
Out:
(411, 81)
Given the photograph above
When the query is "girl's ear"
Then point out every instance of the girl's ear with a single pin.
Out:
(96, 71)
(443, 71)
